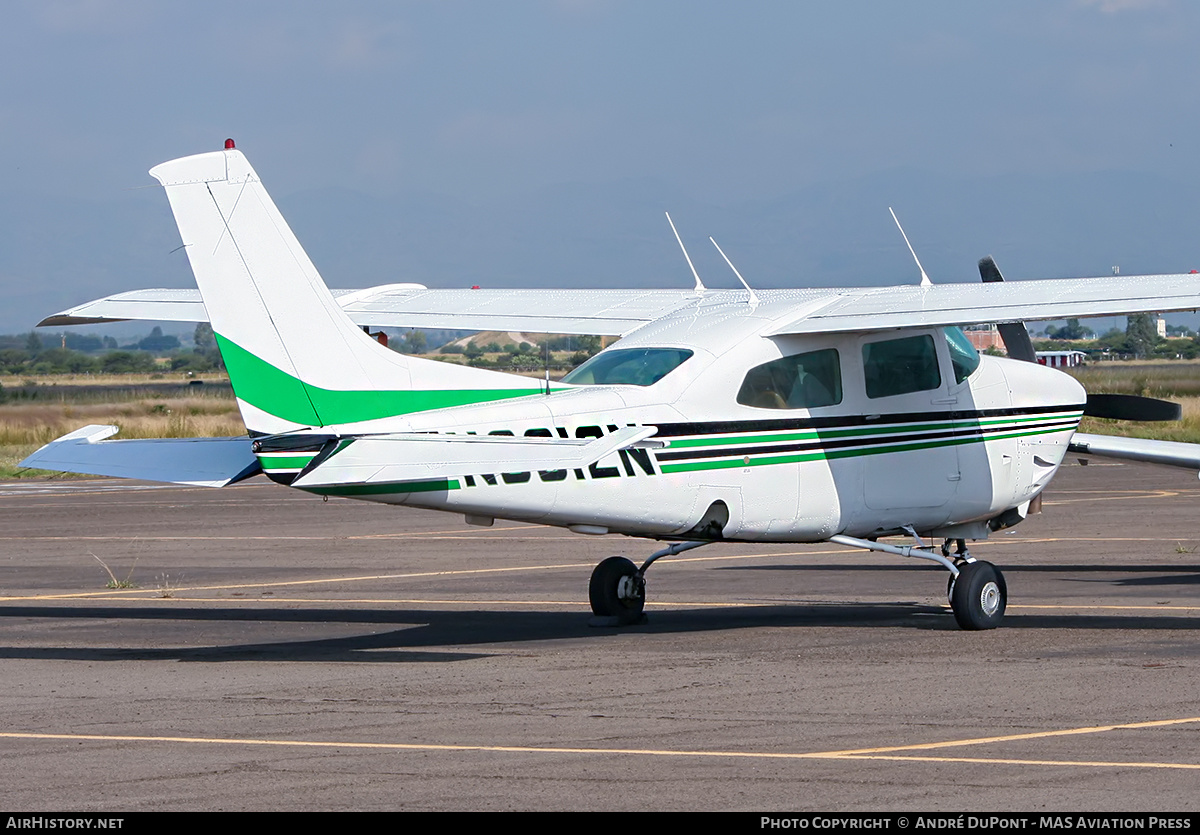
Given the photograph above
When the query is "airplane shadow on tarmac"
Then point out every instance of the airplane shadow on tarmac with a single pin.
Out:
(422, 632)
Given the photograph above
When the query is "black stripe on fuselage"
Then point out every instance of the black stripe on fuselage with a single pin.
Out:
(733, 427)
(866, 442)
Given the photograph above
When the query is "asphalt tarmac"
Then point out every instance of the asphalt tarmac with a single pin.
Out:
(277, 652)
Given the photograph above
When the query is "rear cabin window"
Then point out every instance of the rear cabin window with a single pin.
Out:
(628, 367)
(901, 366)
(801, 381)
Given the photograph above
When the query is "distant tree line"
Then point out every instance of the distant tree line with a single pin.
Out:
(73, 353)
(1139, 340)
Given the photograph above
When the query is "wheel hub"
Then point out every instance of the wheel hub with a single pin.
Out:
(629, 587)
(989, 598)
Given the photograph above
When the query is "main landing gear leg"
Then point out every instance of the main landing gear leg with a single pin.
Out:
(617, 590)
(977, 591)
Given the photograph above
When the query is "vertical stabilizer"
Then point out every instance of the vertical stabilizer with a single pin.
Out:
(295, 359)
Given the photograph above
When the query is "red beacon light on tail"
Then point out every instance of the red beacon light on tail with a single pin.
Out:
(229, 146)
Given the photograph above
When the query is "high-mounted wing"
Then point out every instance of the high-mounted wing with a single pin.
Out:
(910, 306)
(612, 312)
(601, 312)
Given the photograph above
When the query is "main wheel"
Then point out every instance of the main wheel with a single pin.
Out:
(978, 596)
(617, 590)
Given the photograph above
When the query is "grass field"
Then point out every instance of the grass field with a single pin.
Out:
(144, 408)
(1153, 378)
(1177, 380)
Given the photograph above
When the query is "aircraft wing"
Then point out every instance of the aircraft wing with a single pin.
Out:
(383, 461)
(1172, 453)
(201, 462)
(600, 312)
(617, 312)
(911, 306)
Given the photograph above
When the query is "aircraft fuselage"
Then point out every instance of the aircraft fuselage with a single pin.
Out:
(908, 439)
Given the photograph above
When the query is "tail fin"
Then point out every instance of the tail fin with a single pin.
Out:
(295, 360)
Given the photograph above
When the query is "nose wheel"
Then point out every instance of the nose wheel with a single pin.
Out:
(978, 596)
(617, 590)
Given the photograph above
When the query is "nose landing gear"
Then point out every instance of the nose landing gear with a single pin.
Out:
(978, 596)
(977, 592)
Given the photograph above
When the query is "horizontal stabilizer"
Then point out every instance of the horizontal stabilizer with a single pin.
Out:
(389, 459)
(201, 462)
(1172, 453)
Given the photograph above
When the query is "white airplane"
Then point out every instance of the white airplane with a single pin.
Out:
(819, 415)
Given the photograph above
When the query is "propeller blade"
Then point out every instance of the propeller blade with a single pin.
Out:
(1131, 407)
(1014, 334)
(1113, 406)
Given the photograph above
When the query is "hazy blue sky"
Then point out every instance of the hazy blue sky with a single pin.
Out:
(476, 101)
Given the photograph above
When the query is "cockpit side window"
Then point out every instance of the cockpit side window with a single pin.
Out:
(628, 367)
(901, 366)
(801, 381)
(963, 356)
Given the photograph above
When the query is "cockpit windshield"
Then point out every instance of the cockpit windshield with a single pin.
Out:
(628, 367)
(963, 356)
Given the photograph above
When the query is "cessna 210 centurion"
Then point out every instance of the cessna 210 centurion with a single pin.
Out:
(813, 415)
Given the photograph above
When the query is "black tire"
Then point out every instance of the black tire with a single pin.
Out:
(604, 590)
(979, 596)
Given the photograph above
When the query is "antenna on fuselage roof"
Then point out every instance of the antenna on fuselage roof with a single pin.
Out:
(700, 288)
(753, 297)
(925, 282)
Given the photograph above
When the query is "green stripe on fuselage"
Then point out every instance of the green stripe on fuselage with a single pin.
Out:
(278, 393)
(852, 452)
(271, 463)
(825, 434)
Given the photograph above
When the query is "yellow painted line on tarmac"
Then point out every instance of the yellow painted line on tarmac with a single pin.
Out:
(884, 753)
(135, 593)
(987, 740)
(156, 596)
(1041, 539)
(1010, 761)
(1118, 497)
(176, 598)
(289, 583)
(458, 533)
(1089, 606)
(427, 601)
(479, 530)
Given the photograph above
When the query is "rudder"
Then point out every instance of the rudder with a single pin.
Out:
(294, 358)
